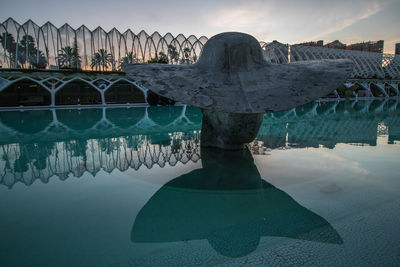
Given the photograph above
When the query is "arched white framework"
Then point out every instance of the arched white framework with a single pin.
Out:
(49, 40)
(368, 65)
(53, 82)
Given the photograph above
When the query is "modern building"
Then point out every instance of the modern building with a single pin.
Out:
(397, 49)
(336, 44)
(312, 43)
(369, 46)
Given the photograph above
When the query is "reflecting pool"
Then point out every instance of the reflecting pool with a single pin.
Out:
(132, 187)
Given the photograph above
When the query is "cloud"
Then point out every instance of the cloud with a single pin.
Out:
(307, 164)
(243, 17)
(291, 21)
(344, 21)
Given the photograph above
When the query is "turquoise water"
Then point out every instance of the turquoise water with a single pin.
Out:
(132, 187)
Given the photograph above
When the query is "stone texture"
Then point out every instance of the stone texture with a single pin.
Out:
(232, 75)
(229, 130)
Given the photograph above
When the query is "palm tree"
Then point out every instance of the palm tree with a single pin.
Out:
(186, 59)
(102, 59)
(28, 53)
(8, 42)
(174, 55)
(68, 58)
(26, 50)
(65, 57)
(128, 59)
(77, 58)
(38, 61)
(161, 58)
(95, 61)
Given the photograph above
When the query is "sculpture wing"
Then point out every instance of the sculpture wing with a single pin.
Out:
(265, 88)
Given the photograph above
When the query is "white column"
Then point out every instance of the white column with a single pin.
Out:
(103, 100)
(53, 98)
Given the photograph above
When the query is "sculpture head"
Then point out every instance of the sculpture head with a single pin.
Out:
(231, 52)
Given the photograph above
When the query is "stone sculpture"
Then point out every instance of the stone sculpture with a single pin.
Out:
(234, 86)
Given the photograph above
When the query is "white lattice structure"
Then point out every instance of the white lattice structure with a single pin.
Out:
(378, 75)
(143, 46)
(50, 40)
(367, 64)
(53, 82)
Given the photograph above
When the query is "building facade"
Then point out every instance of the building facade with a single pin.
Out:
(369, 46)
(397, 49)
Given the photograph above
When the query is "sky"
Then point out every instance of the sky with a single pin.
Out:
(287, 21)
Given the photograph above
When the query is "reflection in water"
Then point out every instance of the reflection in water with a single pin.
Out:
(227, 203)
(327, 124)
(28, 162)
(36, 145)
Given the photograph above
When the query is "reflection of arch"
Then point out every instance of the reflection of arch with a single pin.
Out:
(125, 117)
(28, 121)
(376, 106)
(24, 92)
(158, 114)
(77, 89)
(193, 114)
(160, 138)
(307, 109)
(361, 106)
(123, 92)
(326, 108)
(79, 119)
(377, 91)
(392, 89)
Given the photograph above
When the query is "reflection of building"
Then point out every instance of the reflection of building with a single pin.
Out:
(33, 147)
(312, 125)
(40, 161)
(370, 46)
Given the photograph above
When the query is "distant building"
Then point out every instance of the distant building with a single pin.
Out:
(397, 49)
(376, 47)
(317, 43)
(336, 44)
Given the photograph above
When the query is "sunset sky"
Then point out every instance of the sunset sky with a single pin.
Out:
(288, 21)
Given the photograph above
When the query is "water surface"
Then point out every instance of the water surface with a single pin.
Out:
(131, 186)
